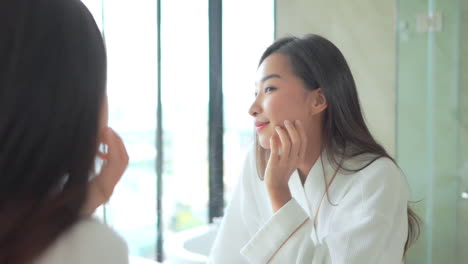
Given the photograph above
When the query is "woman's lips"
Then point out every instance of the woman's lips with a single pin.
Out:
(260, 125)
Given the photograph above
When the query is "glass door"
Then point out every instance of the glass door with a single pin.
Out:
(432, 128)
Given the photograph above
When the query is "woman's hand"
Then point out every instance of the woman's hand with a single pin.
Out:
(115, 163)
(287, 151)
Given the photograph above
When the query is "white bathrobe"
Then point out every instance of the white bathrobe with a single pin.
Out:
(87, 242)
(363, 219)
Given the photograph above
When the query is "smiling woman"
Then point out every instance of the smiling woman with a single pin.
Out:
(317, 188)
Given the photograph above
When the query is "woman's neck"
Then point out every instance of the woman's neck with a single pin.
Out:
(313, 152)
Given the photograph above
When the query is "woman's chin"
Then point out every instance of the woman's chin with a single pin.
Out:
(264, 143)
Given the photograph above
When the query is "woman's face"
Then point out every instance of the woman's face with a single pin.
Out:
(279, 95)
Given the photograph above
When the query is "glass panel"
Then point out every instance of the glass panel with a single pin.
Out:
(185, 91)
(443, 76)
(429, 129)
(132, 83)
(462, 219)
(244, 40)
(412, 120)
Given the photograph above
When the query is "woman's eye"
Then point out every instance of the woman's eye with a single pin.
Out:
(269, 89)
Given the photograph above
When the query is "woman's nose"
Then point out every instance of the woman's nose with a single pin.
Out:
(255, 109)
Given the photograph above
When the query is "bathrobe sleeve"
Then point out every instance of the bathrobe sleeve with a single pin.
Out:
(232, 234)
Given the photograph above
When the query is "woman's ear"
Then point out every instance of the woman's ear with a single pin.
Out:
(318, 102)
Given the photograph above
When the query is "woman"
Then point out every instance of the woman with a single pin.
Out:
(53, 118)
(317, 188)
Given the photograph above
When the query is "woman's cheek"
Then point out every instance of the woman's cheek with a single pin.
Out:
(274, 109)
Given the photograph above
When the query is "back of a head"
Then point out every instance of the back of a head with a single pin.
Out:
(52, 85)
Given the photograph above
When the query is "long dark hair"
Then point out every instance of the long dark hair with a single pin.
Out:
(320, 64)
(52, 87)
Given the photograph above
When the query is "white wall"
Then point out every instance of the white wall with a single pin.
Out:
(364, 30)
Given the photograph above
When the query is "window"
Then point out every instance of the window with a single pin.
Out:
(185, 97)
(183, 38)
(130, 31)
(248, 28)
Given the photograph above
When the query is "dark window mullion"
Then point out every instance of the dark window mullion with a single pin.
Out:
(159, 147)
(216, 129)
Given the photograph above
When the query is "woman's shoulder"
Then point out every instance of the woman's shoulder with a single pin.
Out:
(382, 169)
(381, 177)
(87, 241)
(380, 188)
(93, 229)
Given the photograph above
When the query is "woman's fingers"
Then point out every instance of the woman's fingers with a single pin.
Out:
(102, 155)
(285, 143)
(295, 139)
(115, 162)
(274, 147)
(303, 137)
(116, 151)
